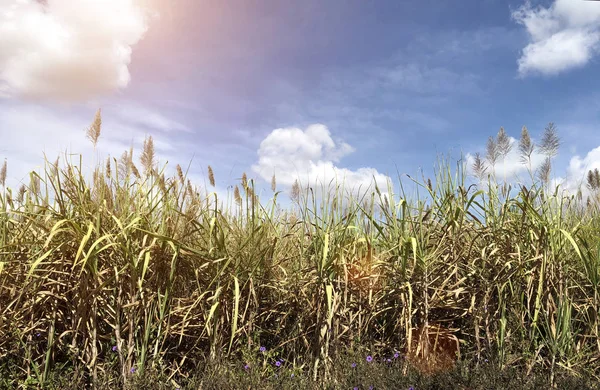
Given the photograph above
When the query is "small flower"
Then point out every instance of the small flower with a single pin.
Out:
(371, 387)
(353, 365)
(396, 355)
(388, 360)
(262, 349)
(291, 376)
(411, 388)
(246, 367)
(114, 348)
(369, 358)
(38, 334)
(486, 360)
(132, 370)
(355, 388)
(278, 363)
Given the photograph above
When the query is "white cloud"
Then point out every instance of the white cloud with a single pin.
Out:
(311, 156)
(139, 115)
(67, 50)
(564, 36)
(576, 175)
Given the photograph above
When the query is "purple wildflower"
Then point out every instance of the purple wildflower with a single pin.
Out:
(262, 349)
(396, 355)
(353, 365)
(291, 376)
(388, 360)
(411, 388)
(369, 358)
(355, 388)
(132, 370)
(246, 367)
(114, 348)
(278, 363)
(38, 334)
(371, 387)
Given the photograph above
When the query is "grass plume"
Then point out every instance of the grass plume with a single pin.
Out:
(93, 132)
(3, 174)
(526, 146)
(211, 176)
(147, 158)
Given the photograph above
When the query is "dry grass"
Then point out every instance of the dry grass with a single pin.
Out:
(433, 349)
(171, 276)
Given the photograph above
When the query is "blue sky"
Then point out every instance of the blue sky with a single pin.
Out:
(300, 89)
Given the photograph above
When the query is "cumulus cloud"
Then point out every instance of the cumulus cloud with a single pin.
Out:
(67, 50)
(311, 156)
(564, 36)
(577, 170)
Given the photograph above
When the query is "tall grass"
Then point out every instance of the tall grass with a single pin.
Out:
(135, 270)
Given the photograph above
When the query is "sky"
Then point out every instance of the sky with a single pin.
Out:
(346, 89)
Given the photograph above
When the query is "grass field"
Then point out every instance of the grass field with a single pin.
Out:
(133, 279)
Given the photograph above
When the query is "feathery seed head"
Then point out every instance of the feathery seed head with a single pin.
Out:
(190, 189)
(21, 193)
(211, 176)
(3, 174)
(93, 132)
(135, 171)
(236, 195)
(492, 152)
(593, 179)
(550, 141)
(55, 166)
(180, 174)
(544, 171)
(295, 192)
(9, 199)
(244, 181)
(35, 183)
(147, 157)
(503, 142)
(162, 183)
(124, 166)
(273, 183)
(479, 167)
(526, 146)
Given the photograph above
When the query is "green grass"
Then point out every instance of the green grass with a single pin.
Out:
(188, 286)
